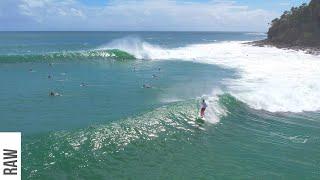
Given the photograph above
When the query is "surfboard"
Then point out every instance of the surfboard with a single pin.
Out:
(200, 120)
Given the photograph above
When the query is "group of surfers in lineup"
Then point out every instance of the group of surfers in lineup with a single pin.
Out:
(203, 104)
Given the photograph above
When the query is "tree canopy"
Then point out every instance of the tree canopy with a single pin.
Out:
(299, 26)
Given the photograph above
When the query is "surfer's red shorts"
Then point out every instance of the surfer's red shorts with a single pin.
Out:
(202, 111)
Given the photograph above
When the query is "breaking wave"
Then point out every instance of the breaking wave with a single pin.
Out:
(271, 79)
(107, 54)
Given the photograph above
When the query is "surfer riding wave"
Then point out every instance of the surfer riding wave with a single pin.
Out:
(203, 108)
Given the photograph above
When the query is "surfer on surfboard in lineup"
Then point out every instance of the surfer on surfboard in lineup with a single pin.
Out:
(203, 108)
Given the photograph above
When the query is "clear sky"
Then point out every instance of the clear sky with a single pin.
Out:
(142, 15)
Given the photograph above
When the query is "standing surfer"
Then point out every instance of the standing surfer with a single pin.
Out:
(203, 108)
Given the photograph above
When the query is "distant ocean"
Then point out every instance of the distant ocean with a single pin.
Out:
(262, 121)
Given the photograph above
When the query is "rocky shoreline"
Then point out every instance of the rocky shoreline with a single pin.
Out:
(307, 49)
(296, 29)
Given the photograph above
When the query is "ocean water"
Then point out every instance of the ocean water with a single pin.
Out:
(262, 121)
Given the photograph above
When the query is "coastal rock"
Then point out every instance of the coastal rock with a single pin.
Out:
(297, 29)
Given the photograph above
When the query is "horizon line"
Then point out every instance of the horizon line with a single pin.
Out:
(127, 31)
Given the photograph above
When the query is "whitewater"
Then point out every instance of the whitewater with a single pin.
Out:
(271, 79)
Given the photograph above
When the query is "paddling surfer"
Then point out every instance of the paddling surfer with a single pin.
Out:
(147, 86)
(54, 94)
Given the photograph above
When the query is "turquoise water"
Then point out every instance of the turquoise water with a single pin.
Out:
(105, 125)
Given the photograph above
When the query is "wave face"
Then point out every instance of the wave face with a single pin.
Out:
(108, 54)
(271, 79)
(168, 135)
(84, 147)
(102, 145)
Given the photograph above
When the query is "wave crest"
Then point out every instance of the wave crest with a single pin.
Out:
(108, 54)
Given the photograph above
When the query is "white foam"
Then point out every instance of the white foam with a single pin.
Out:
(270, 78)
(214, 111)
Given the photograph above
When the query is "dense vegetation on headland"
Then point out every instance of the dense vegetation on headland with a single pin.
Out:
(298, 27)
